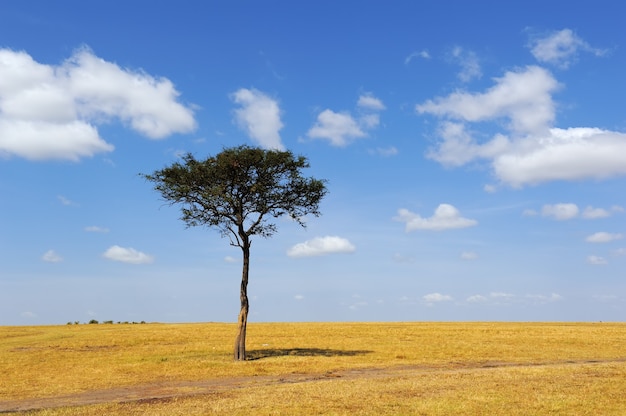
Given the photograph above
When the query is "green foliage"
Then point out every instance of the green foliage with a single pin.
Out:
(238, 189)
(93, 321)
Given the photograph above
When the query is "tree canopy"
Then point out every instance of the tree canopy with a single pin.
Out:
(239, 191)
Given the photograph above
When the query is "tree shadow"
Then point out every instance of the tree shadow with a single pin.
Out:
(302, 352)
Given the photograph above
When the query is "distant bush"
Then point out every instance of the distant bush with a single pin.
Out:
(93, 321)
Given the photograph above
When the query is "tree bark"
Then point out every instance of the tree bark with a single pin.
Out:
(242, 321)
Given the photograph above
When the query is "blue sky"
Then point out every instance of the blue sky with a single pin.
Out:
(475, 154)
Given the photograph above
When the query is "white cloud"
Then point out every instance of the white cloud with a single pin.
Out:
(470, 67)
(603, 237)
(298, 297)
(96, 229)
(561, 48)
(259, 117)
(51, 256)
(424, 54)
(476, 299)
(341, 129)
(385, 151)
(523, 97)
(554, 297)
(51, 112)
(501, 295)
(560, 212)
(230, 259)
(593, 213)
(529, 213)
(445, 217)
(620, 252)
(532, 151)
(436, 297)
(127, 255)
(65, 201)
(570, 154)
(321, 246)
(596, 260)
(469, 255)
(369, 102)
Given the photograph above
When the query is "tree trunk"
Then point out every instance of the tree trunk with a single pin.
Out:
(242, 321)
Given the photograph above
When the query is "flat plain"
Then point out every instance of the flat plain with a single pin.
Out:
(421, 368)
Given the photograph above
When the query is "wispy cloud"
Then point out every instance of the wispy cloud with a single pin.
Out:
(560, 212)
(96, 229)
(468, 61)
(603, 237)
(596, 260)
(65, 201)
(561, 48)
(51, 256)
(423, 54)
(385, 151)
(469, 255)
(445, 217)
(259, 117)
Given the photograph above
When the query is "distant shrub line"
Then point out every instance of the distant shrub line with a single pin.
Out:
(95, 322)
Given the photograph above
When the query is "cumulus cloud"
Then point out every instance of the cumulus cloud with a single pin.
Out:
(51, 256)
(523, 97)
(445, 217)
(531, 150)
(259, 117)
(436, 297)
(127, 255)
(342, 128)
(603, 237)
(338, 128)
(52, 112)
(597, 260)
(560, 48)
(369, 102)
(320, 246)
(560, 212)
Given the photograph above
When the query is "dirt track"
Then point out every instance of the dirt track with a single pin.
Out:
(163, 391)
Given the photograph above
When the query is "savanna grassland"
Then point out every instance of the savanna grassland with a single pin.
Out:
(315, 368)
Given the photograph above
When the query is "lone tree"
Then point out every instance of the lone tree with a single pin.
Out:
(238, 191)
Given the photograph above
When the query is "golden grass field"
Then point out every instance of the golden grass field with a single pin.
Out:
(315, 368)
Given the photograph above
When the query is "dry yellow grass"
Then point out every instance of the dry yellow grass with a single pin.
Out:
(324, 368)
